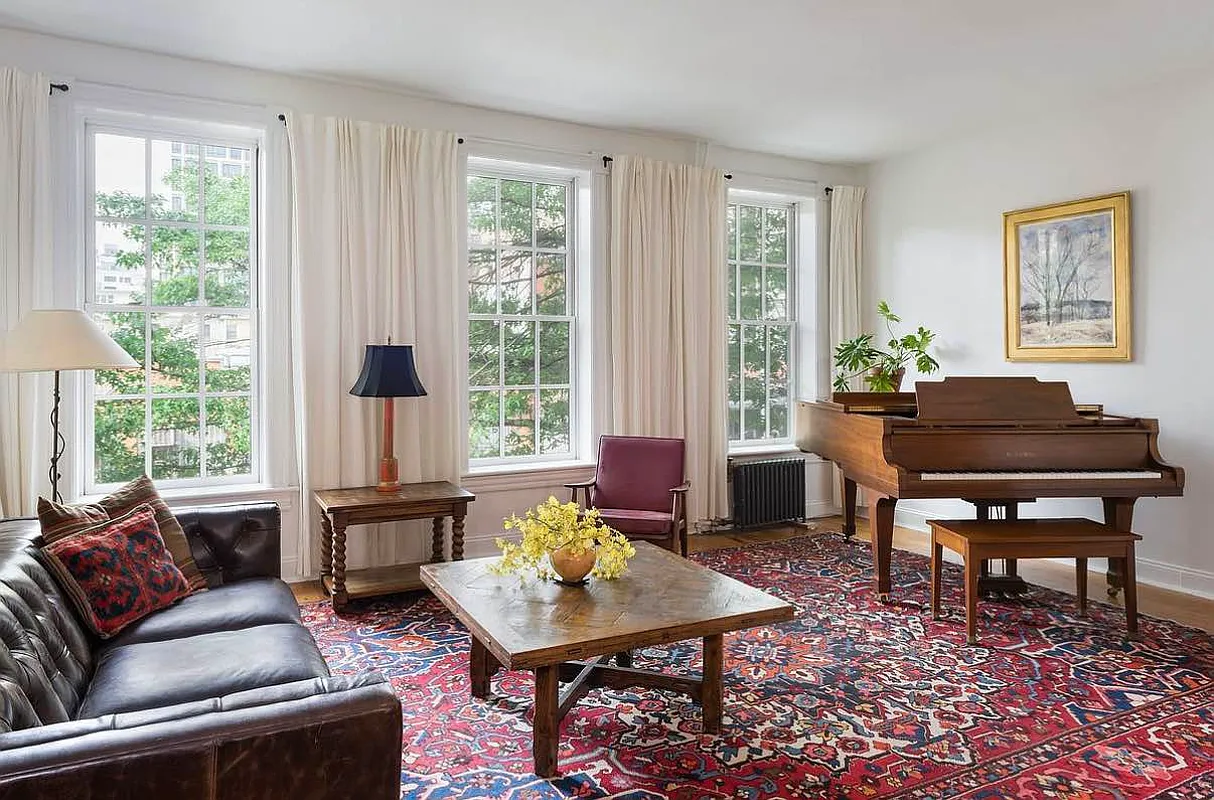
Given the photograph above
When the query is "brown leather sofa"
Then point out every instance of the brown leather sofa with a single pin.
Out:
(221, 696)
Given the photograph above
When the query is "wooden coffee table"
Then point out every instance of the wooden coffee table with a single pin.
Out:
(569, 634)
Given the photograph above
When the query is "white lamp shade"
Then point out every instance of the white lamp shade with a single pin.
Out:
(59, 339)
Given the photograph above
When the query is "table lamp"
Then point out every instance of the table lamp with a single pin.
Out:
(59, 339)
(388, 372)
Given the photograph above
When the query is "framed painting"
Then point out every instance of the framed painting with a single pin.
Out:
(1066, 271)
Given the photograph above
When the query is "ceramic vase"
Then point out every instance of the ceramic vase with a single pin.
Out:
(572, 568)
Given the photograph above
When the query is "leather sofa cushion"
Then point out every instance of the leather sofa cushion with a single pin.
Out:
(230, 607)
(141, 676)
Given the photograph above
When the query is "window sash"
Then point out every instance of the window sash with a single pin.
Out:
(787, 323)
(194, 145)
(539, 176)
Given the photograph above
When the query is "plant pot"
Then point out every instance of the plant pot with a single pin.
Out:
(573, 568)
(896, 381)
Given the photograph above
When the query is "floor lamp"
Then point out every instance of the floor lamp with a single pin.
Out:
(54, 340)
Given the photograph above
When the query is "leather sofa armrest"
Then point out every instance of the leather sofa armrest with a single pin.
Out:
(322, 738)
(234, 542)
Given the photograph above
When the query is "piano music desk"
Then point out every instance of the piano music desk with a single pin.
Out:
(1081, 539)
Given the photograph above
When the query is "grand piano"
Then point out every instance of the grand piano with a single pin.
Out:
(993, 441)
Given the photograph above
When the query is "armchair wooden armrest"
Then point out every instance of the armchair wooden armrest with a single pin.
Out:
(682, 488)
(585, 486)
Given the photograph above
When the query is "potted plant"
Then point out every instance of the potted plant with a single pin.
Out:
(883, 369)
(560, 538)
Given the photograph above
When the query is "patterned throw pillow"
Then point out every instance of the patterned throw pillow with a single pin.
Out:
(117, 571)
(61, 520)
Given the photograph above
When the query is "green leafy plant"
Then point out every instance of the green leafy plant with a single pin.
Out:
(880, 368)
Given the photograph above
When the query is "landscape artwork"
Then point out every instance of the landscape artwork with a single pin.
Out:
(1067, 281)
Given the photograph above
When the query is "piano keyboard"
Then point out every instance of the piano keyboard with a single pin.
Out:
(1092, 475)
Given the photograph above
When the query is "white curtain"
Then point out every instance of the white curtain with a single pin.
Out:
(846, 263)
(666, 284)
(375, 254)
(25, 270)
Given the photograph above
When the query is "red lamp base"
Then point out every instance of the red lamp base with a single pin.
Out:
(388, 478)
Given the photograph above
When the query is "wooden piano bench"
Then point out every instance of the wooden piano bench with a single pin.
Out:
(1081, 539)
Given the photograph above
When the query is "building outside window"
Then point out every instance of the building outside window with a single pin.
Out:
(173, 279)
(521, 317)
(761, 320)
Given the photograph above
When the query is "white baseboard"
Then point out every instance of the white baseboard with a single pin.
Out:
(820, 508)
(1189, 580)
(289, 569)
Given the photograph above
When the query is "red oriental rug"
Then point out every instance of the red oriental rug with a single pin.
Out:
(851, 699)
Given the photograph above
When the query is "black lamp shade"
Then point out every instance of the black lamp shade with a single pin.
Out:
(388, 371)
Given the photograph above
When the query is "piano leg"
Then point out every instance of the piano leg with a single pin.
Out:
(849, 506)
(881, 526)
(1118, 515)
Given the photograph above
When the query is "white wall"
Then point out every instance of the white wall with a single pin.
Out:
(935, 252)
(75, 62)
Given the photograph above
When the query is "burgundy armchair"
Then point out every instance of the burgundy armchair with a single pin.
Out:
(639, 489)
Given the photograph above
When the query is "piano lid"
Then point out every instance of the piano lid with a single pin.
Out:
(1013, 399)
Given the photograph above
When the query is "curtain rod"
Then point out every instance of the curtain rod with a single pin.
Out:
(608, 159)
(283, 119)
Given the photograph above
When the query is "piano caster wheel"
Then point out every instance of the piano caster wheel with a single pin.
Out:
(883, 598)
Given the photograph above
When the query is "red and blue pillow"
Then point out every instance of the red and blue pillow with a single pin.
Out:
(117, 571)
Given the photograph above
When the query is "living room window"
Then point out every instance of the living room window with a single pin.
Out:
(521, 315)
(172, 276)
(761, 319)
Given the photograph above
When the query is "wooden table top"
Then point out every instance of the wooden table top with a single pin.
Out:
(1004, 531)
(366, 497)
(662, 598)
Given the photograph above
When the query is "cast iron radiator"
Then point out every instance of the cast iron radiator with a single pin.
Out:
(766, 492)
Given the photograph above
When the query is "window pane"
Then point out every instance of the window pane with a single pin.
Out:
(777, 293)
(731, 280)
(483, 424)
(120, 274)
(174, 266)
(731, 230)
(519, 348)
(554, 352)
(754, 378)
(775, 245)
(228, 352)
(777, 413)
(482, 212)
(229, 438)
(554, 421)
(482, 282)
(118, 440)
(175, 430)
(550, 284)
(750, 228)
(126, 328)
(549, 215)
(226, 194)
(174, 184)
(119, 175)
(735, 382)
(227, 269)
(520, 422)
(484, 368)
(516, 214)
(174, 353)
(516, 282)
(750, 292)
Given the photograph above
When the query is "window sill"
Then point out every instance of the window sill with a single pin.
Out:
(510, 477)
(773, 448)
(233, 493)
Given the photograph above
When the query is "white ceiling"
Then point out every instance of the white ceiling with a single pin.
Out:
(833, 80)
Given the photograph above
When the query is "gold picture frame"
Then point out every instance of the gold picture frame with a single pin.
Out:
(1066, 272)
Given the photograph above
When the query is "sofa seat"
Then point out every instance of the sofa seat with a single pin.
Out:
(233, 606)
(136, 677)
(634, 522)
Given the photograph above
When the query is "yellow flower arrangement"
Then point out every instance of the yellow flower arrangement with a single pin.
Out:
(553, 525)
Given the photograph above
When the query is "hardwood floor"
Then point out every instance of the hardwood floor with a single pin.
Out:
(1197, 612)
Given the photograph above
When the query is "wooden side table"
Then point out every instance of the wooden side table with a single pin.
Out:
(1081, 539)
(340, 508)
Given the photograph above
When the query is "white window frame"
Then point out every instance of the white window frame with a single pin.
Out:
(792, 322)
(575, 255)
(205, 133)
